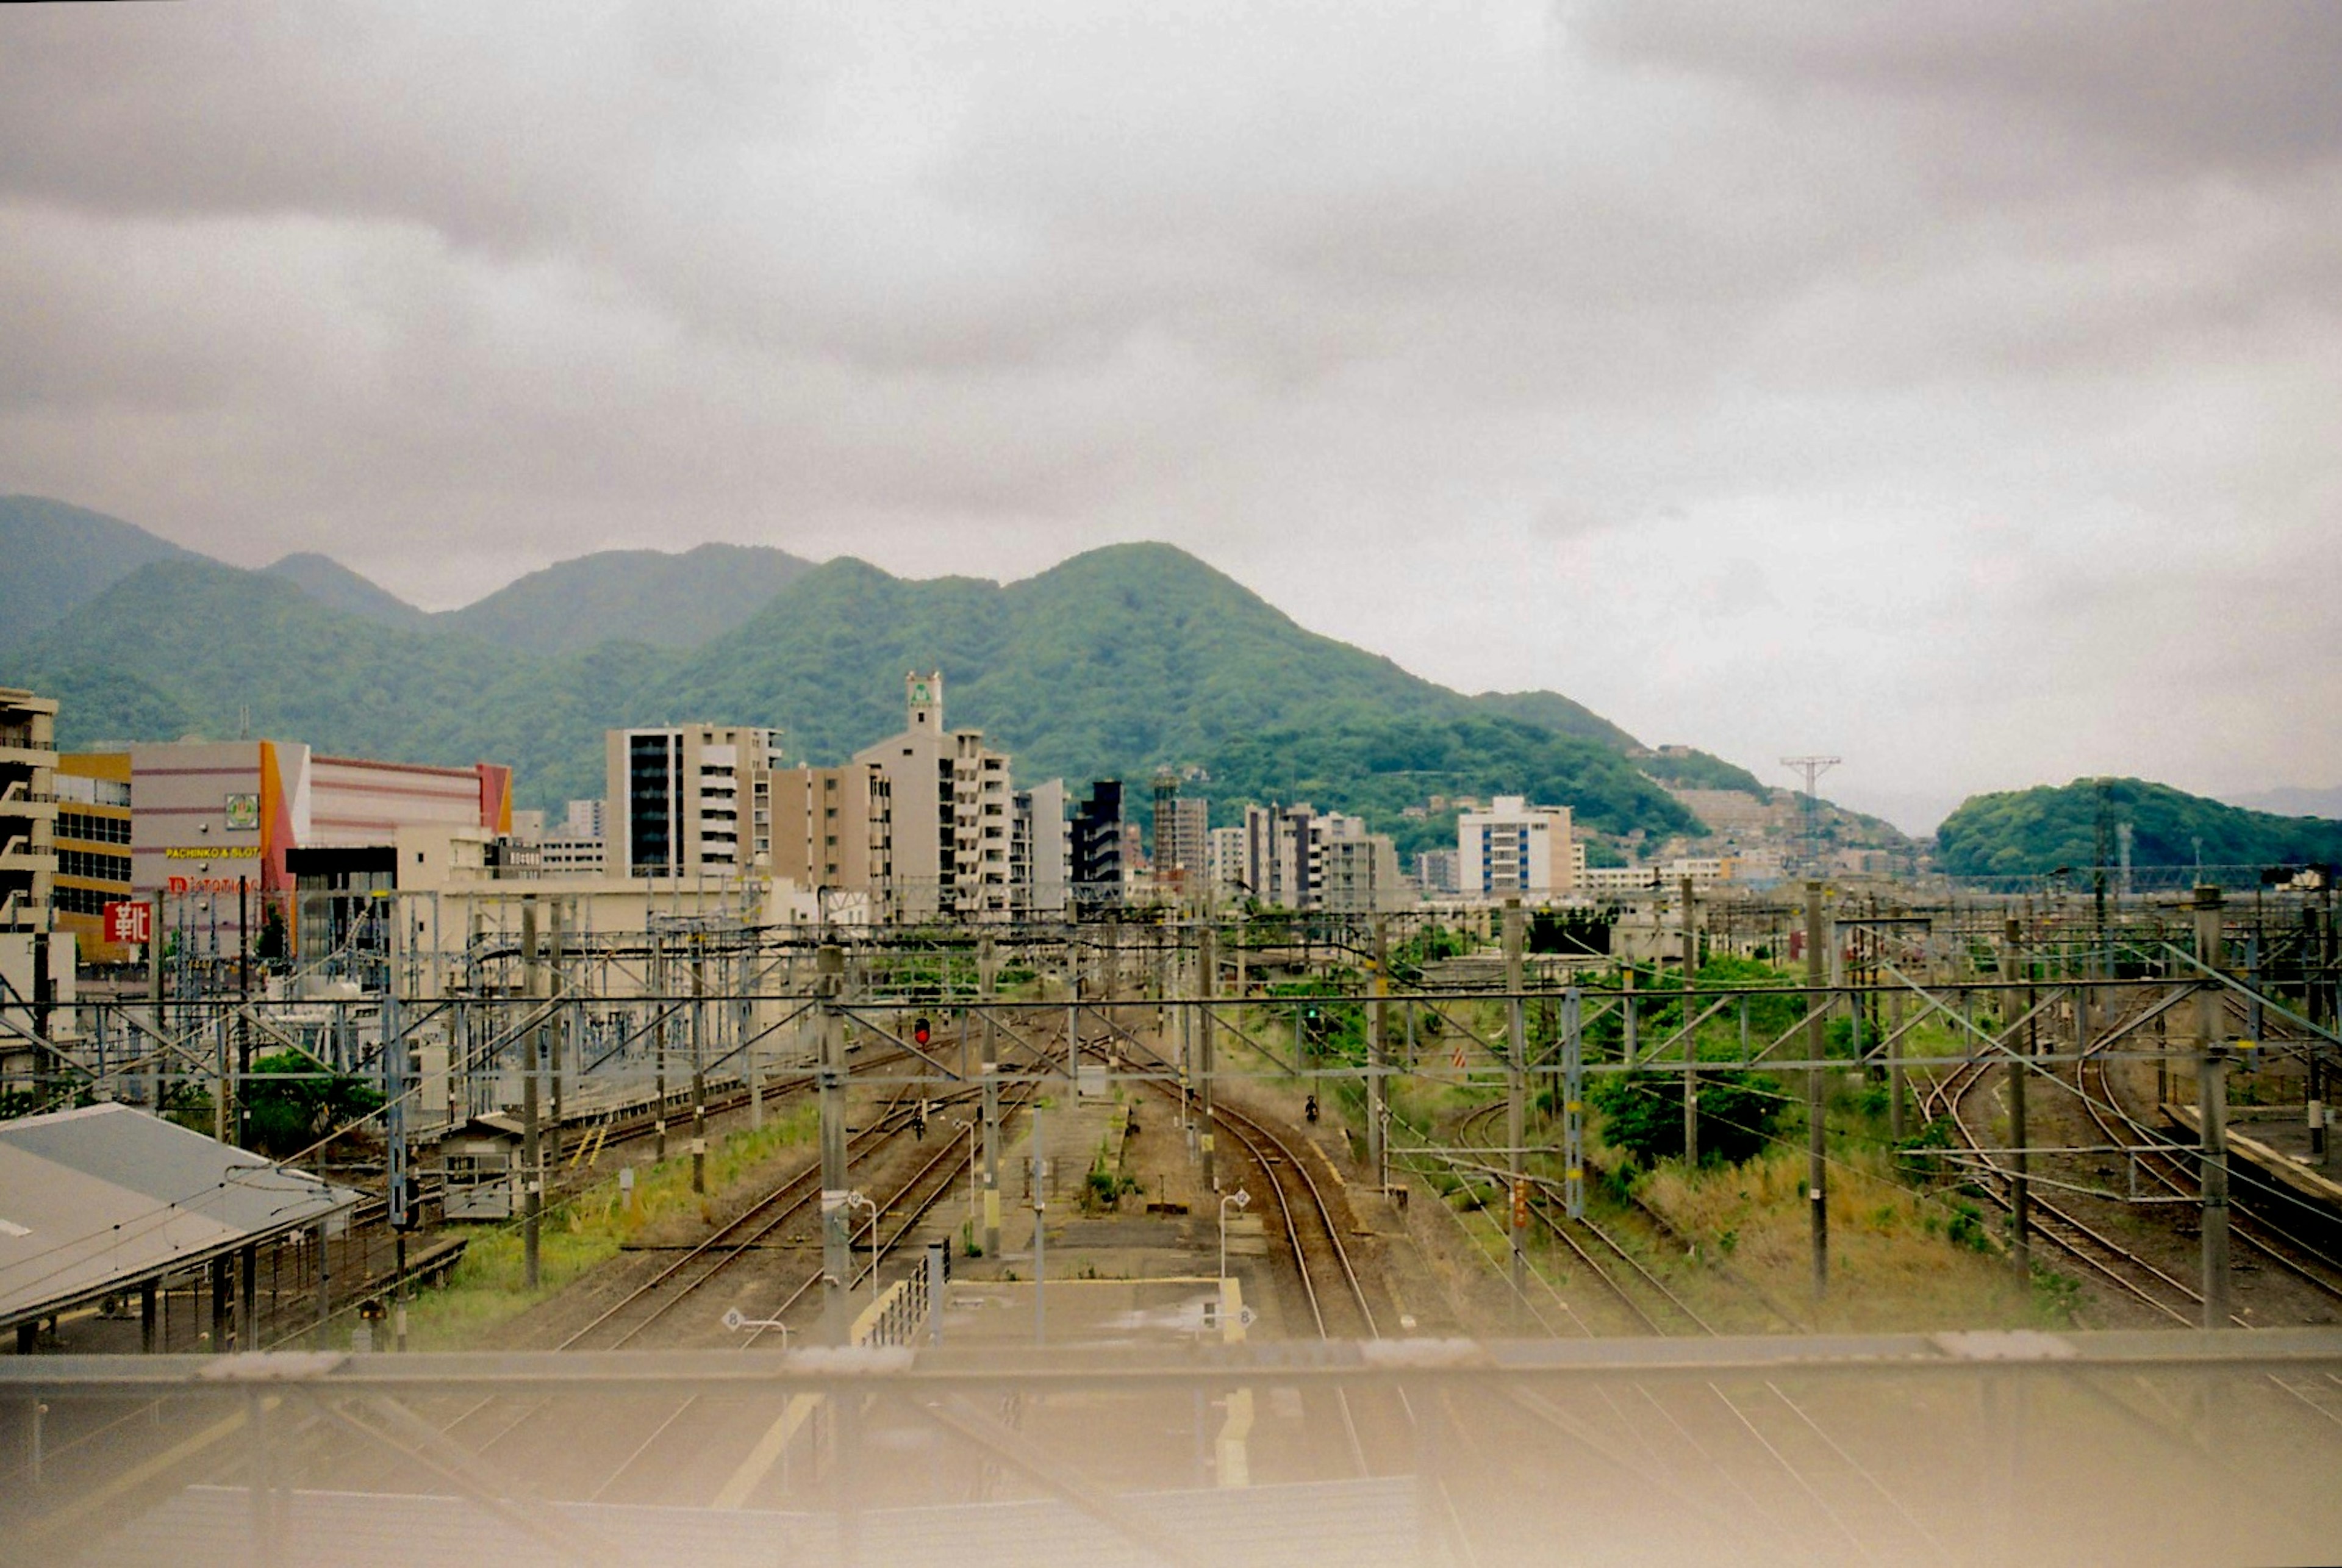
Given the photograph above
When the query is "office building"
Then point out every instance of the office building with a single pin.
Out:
(1041, 852)
(684, 799)
(1514, 850)
(953, 813)
(1098, 846)
(93, 843)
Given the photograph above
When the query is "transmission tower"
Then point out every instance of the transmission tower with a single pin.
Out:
(1812, 769)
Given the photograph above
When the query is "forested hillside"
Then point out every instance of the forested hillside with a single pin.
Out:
(1111, 664)
(2033, 831)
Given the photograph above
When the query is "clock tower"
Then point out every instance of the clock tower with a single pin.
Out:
(926, 695)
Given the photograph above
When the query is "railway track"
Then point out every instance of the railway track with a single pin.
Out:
(2170, 1171)
(1319, 1249)
(2107, 1259)
(1659, 1304)
(652, 1302)
(618, 1324)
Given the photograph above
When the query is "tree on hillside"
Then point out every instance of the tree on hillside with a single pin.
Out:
(2033, 831)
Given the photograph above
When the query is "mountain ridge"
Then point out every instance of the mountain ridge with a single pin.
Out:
(61, 556)
(1108, 663)
(2034, 831)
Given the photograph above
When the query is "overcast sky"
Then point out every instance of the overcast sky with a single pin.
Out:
(1954, 388)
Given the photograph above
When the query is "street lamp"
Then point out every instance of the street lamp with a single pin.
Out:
(1241, 1199)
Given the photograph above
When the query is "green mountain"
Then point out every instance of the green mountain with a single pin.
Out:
(630, 597)
(1125, 659)
(59, 557)
(1377, 765)
(337, 588)
(2033, 831)
(1111, 664)
(1116, 661)
(1552, 711)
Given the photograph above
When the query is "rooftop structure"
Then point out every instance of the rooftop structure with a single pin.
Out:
(103, 1200)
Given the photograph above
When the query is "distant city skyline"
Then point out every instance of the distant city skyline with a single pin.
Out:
(1955, 390)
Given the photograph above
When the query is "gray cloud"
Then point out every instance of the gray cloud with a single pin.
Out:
(1952, 388)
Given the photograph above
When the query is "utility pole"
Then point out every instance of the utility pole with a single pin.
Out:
(1811, 770)
(244, 1012)
(1573, 1106)
(1377, 1051)
(658, 1038)
(1516, 1081)
(698, 1061)
(1039, 1181)
(744, 1027)
(1691, 1046)
(395, 1186)
(986, 969)
(553, 1033)
(1206, 968)
(836, 1217)
(531, 1044)
(2212, 1109)
(158, 1086)
(2020, 1174)
(1816, 1090)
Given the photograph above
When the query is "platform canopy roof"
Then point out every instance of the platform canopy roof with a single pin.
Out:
(98, 1199)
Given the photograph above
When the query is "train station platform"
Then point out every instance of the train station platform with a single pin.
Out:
(106, 1200)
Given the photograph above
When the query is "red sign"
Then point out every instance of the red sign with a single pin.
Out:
(132, 923)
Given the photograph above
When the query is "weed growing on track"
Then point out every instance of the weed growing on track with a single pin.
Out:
(585, 1230)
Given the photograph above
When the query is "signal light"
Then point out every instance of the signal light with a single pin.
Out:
(920, 1032)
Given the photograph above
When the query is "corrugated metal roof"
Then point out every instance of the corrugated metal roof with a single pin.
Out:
(97, 1199)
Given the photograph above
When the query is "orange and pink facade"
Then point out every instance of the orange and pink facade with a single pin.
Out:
(212, 821)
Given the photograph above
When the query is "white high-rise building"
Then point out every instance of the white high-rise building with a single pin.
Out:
(688, 800)
(1227, 861)
(954, 812)
(1515, 850)
(1041, 852)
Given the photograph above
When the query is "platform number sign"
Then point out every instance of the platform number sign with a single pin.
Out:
(130, 923)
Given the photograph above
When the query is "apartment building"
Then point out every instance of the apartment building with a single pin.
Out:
(1514, 849)
(28, 809)
(1181, 851)
(1097, 839)
(1352, 871)
(685, 800)
(1224, 859)
(954, 812)
(1301, 858)
(1041, 852)
(833, 831)
(36, 961)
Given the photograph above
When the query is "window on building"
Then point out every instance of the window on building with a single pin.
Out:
(92, 829)
(92, 866)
